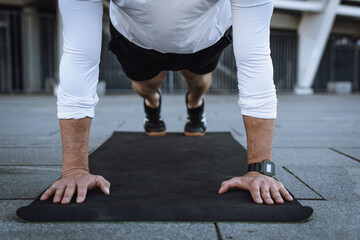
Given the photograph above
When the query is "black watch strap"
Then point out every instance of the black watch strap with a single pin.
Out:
(254, 167)
(266, 167)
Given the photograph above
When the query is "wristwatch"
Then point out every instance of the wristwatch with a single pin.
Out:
(266, 167)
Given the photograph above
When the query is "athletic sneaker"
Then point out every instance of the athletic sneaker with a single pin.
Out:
(153, 123)
(196, 125)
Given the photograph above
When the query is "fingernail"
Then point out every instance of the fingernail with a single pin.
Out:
(79, 199)
(57, 199)
(65, 199)
(259, 200)
(107, 190)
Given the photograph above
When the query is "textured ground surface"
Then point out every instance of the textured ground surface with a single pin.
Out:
(316, 148)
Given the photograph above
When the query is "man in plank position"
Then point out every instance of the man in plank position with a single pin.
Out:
(148, 38)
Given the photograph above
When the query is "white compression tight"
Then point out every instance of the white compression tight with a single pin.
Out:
(79, 67)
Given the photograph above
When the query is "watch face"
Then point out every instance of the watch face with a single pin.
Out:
(268, 168)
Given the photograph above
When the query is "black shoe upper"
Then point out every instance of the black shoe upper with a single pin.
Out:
(153, 121)
(196, 118)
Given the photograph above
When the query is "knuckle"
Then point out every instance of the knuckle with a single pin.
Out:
(253, 183)
(269, 181)
(82, 188)
(101, 178)
(273, 186)
(253, 188)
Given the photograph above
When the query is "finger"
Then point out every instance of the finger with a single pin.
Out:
(275, 194)
(255, 194)
(224, 187)
(48, 193)
(81, 193)
(69, 193)
(105, 186)
(59, 194)
(232, 183)
(265, 194)
(285, 194)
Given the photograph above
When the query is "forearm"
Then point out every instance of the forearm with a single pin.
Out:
(259, 134)
(75, 141)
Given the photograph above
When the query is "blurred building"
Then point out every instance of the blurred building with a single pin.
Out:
(315, 43)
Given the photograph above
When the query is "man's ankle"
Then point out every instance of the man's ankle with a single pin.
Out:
(194, 103)
(153, 101)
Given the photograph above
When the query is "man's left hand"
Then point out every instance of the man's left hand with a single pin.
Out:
(262, 188)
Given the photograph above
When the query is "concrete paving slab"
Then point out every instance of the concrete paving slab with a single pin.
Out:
(11, 141)
(314, 138)
(296, 187)
(49, 128)
(333, 183)
(31, 156)
(331, 220)
(318, 121)
(310, 157)
(305, 129)
(26, 182)
(351, 152)
(11, 228)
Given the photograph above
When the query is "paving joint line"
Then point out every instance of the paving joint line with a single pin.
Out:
(307, 185)
(218, 233)
(311, 199)
(121, 124)
(346, 155)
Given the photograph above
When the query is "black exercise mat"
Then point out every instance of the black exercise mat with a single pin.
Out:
(170, 178)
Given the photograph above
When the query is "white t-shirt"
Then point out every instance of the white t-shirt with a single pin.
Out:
(173, 26)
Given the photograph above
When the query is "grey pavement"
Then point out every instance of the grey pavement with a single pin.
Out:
(316, 149)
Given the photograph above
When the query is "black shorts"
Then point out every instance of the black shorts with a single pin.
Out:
(141, 64)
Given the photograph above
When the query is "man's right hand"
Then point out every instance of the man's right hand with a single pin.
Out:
(80, 181)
